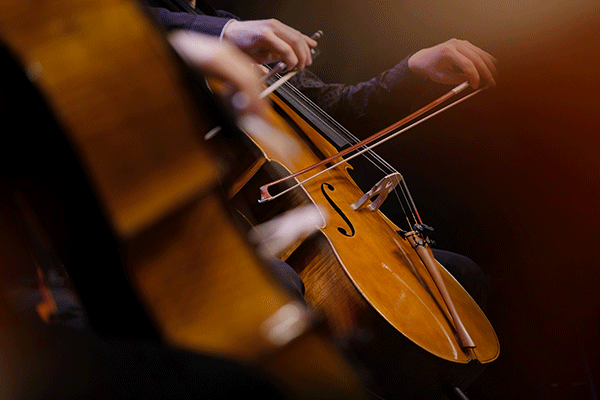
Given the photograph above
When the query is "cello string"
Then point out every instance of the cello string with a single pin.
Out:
(415, 214)
(406, 194)
(373, 157)
(382, 164)
(279, 82)
(367, 151)
(380, 142)
(319, 113)
(402, 206)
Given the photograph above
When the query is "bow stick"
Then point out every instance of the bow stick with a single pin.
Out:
(264, 190)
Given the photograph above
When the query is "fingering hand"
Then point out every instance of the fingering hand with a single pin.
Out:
(269, 40)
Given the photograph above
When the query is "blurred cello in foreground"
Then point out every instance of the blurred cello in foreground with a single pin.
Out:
(150, 244)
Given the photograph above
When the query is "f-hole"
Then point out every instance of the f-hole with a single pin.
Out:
(343, 231)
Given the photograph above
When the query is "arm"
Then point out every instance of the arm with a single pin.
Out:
(370, 106)
(265, 41)
(206, 24)
(365, 107)
(223, 61)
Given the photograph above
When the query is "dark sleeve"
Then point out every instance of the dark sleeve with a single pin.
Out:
(227, 14)
(207, 24)
(366, 107)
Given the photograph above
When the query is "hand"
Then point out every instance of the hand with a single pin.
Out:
(454, 62)
(223, 61)
(268, 41)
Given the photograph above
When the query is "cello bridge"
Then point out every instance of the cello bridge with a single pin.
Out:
(380, 192)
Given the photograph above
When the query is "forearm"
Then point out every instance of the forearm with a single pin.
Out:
(207, 24)
(369, 106)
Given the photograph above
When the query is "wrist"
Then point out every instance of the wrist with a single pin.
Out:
(414, 65)
(223, 34)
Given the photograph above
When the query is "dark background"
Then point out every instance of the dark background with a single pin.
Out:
(510, 178)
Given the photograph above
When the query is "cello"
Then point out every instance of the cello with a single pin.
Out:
(400, 314)
(141, 195)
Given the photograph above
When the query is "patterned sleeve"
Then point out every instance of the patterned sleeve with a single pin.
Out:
(368, 106)
(363, 108)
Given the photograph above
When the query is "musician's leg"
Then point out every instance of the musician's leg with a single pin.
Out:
(467, 273)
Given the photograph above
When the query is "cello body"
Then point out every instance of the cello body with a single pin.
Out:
(359, 271)
(148, 240)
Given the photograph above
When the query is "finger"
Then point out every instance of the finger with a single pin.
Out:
(297, 41)
(306, 54)
(237, 70)
(311, 43)
(245, 98)
(483, 53)
(483, 70)
(225, 62)
(489, 60)
(280, 47)
(262, 70)
(466, 66)
(300, 49)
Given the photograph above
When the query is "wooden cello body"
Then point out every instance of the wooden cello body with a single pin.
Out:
(151, 221)
(363, 274)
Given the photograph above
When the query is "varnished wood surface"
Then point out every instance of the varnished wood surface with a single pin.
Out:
(384, 268)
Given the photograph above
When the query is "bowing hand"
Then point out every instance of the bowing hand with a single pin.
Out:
(454, 62)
